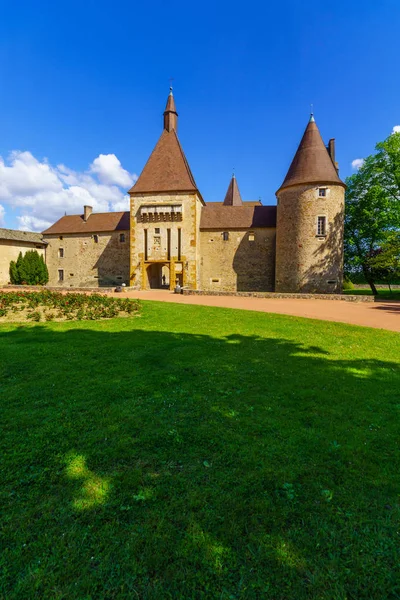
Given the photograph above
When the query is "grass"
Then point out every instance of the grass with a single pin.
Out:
(199, 452)
(382, 293)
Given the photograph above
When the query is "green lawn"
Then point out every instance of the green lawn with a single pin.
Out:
(199, 452)
(383, 294)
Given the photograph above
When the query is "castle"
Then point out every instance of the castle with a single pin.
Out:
(170, 235)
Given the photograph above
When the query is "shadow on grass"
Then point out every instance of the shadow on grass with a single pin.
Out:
(154, 464)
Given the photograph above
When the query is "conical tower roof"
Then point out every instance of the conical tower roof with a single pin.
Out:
(233, 197)
(167, 169)
(312, 162)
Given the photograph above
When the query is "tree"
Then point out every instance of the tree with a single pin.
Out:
(14, 277)
(372, 208)
(387, 258)
(29, 269)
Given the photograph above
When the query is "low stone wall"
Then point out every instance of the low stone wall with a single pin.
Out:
(40, 288)
(275, 295)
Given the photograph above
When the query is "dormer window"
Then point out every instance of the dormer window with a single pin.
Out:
(322, 192)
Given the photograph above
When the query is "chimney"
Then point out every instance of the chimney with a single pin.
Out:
(87, 211)
(331, 151)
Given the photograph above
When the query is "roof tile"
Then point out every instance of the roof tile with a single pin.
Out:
(96, 223)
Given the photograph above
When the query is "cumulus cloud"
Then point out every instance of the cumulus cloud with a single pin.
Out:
(109, 170)
(2, 213)
(42, 193)
(357, 163)
(396, 129)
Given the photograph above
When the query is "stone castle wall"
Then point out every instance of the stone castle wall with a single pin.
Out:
(183, 266)
(9, 250)
(243, 262)
(306, 262)
(87, 263)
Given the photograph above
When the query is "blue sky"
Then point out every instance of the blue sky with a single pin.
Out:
(83, 79)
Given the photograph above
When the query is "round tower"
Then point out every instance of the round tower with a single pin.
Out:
(310, 219)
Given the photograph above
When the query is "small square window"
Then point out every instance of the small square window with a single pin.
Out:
(157, 230)
(96, 238)
(322, 192)
(60, 274)
(61, 237)
(321, 226)
(251, 237)
(225, 236)
(122, 238)
(61, 252)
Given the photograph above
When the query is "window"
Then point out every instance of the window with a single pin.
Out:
(60, 274)
(225, 236)
(251, 237)
(145, 245)
(122, 238)
(61, 253)
(96, 238)
(322, 192)
(157, 230)
(168, 244)
(321, 226)
(61, 237)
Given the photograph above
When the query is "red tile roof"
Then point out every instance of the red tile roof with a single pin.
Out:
(312, 162)
(167, 169)
(217, 216)
(96, 223)
(233, 197)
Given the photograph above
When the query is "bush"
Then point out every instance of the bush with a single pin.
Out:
(348, 285)
(29, 269)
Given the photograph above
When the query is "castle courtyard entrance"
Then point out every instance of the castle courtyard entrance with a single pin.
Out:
(158, 276)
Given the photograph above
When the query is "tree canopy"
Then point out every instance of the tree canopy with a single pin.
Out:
(372, 211)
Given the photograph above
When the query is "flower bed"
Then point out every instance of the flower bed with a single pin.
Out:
(56, 306)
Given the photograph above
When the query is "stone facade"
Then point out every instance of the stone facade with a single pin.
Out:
(9, 250)
(165, 240)
(234, 260)
(171, 236)
(88, 260)
(306, 261)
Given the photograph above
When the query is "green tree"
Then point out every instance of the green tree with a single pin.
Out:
(14, 277)
(387, 258)
(29, 269)
(372, 208)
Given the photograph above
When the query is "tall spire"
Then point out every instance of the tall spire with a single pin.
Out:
(312, 163)
(170, 114)
(233, 197)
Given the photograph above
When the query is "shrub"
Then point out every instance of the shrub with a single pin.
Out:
(29, 269)
(348, 285)
(14, 277)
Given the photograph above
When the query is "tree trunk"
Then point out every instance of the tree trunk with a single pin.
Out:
(370, 281)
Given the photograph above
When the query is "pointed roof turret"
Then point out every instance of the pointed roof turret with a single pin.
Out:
(233, 197)
(167, 169)
(170, 114)
(312, 162)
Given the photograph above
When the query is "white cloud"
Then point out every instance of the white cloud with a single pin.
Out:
(2, 213)
(42, 193)
(357, 163)
(396, 129)
(109, 171)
